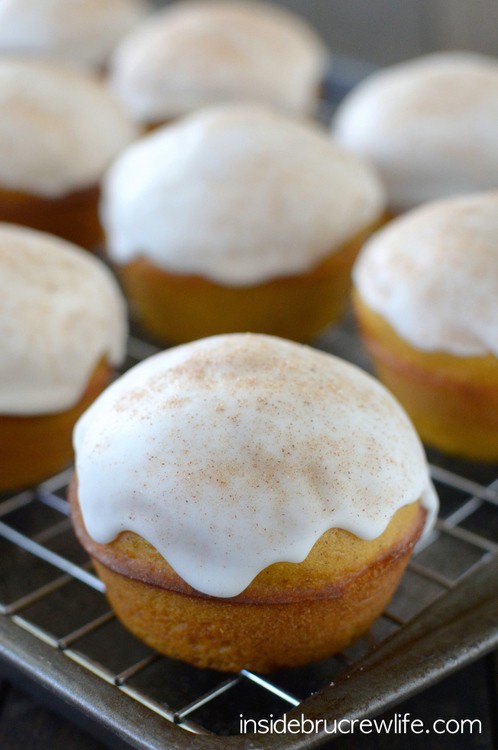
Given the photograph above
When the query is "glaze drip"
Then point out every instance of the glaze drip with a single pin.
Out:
(239, 451)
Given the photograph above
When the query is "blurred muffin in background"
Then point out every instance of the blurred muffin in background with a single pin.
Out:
(428, 125)
(195, 53)
(59, 130)
(62, 330)
(238, 218)
(81, 32)
(426, 297)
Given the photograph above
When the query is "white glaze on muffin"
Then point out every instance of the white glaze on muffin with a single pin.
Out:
(428, 125)
(236, 452)
(194, 54)
(59, 128)
(433, 275)
(82, 32)
(238, 194)
(61, 312)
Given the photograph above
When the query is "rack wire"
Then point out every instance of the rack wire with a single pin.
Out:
(56, 621)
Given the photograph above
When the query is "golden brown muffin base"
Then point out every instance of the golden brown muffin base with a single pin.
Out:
(290, 614)
(35, 447)
(176, 308)
(74, 216)
(452, 401)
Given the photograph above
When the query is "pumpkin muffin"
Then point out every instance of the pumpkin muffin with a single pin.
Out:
(426, 291)
(59, 130)
(428, 125)
(237, 218)
(194, 54)
(249, 502)
(79, 32)
(62, 330)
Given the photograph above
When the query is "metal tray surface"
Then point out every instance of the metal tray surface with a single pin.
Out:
(59, 637)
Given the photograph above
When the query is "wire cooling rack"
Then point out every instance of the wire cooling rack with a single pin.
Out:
(58, 633)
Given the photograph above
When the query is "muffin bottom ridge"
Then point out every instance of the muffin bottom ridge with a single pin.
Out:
(290, 615)
(176, 308)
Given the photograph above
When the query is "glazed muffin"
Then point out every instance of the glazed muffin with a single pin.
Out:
(234, 219)
(62, 330)
(80, 32)
(426, 291)
(428, 125)
(248, 501)
(59, 130)
(194, 54)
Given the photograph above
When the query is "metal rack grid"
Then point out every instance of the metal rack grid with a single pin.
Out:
(56, 622)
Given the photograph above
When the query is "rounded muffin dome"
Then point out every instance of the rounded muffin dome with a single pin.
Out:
(428, 125)
(236, 452)
(432, 274)
(238, 194)
(61, 313)
(59, 128)
(193, 54)
(82, 32)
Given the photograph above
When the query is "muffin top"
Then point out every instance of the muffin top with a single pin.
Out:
(429, 125)
(59, 128)
(82, 32)
(433, 275)
(61, 312)
(238, 451)
(237, 193)
(197, 53)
